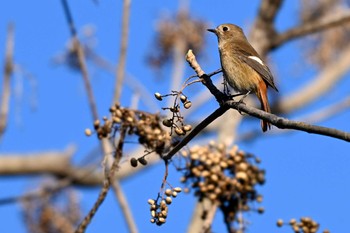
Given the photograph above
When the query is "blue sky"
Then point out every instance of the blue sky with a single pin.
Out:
(307, 175)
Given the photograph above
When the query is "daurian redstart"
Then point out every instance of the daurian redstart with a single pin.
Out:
(242, 66)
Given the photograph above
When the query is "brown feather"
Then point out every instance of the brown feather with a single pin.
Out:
(261, 93)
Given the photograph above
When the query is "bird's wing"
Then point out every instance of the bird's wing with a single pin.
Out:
(254, 61)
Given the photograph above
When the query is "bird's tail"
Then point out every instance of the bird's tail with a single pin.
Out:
(262, 96)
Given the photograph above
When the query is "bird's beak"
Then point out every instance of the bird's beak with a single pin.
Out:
(212, 30)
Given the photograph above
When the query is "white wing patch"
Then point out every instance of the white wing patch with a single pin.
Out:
(256, 59)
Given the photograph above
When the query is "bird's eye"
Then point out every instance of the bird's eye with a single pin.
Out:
(225, 29)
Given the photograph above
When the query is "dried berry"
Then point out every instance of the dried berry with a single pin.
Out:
(142, 160)
(158, 96)
(183, 98)
(88, 132)
(133, 162)
(187, 104)
(167, 122)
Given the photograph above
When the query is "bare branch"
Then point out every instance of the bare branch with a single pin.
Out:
(106, 147)
(326, 80)
(326, 22)
(264, 28)
(106, 184)
(42, 191)
(120, 72)
(125, 208)
(313, 118)
(81, 60)
(8, 70)
(203, 208)
(284, 123)
(58, 164)
(329, 111)
(217, 113)
(54, 162)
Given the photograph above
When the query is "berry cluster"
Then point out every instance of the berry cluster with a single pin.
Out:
(159, 206)
(176, 123)
(144, 125)
(305, 225)
(179, 32)
(229, 179)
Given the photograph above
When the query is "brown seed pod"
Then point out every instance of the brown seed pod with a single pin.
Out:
(96, 124)
(153, 213)
(112, 109)
(242, 176)
(164, 213)
(168, 200)
(187, 128)
(142, 160)
(279, 222)
(116, 120)
(158, 96)
(133, 162)
(167, 122)
(168, 192)
(177, 189)
(151, 201)
(261, 210)
(88, 132)
(259, 198)
(293, 221)
(187, 104)
(179, 131)
(183, 98)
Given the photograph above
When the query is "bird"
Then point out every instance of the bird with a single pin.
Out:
(243, 69)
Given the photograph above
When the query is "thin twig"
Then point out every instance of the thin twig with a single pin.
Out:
(178, 65)
(264, 28)
(81, 59)
(106, 185)
(36, 194)
(8, 70)
(57, 165)
(120, 72)
(326, 22)
(125, 208)
(217, 113)
(104, 144)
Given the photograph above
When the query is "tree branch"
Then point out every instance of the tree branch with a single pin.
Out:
(217, 113)
(326, 80)
(120, 72)
(326, 22)
(106, 184)
(284, 123)
(78, 49)
(124, 206)
(8, 70)
(264, 27)
(58, 164)
(54, 162)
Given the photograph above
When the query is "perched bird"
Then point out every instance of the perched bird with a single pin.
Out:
(242, 66)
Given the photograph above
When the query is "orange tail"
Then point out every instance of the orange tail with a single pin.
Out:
(262, 96)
